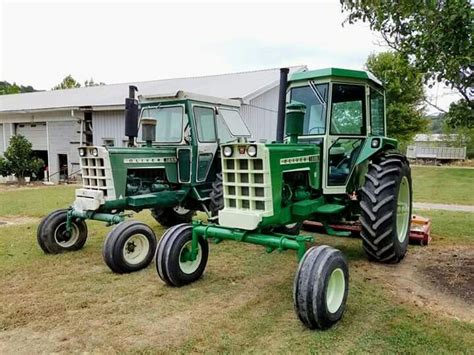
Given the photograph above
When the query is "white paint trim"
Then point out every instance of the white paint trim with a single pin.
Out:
(48, 150)
(183, 95)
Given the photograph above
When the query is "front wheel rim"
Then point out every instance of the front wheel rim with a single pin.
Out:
(335, 290)
(136, 249)
(187, 265)
(63, 239)
(181, 210)
(403, 209)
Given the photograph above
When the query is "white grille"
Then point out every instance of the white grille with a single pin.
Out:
(247, 184)
(96, 172)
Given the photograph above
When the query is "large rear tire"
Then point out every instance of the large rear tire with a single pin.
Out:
(217, 195)
(53, 238)
(321, 286)
(172, 216)
(129, 247)
(173, 264)
(386, 206)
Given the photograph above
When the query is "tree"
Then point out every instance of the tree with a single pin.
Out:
(435, 36)
(19, 159)
(91, 82)
(68, 83)
(6, 88)
(404, 94)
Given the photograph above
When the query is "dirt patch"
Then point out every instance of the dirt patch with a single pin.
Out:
(438, 279)
(16, 220)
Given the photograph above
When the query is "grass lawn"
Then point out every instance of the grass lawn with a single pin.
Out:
(443, 185)
(243, 303)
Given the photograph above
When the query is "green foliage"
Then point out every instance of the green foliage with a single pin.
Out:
(436, 36)
(460, 115)
(68, 83)
(404, 94)
(436, 123)
(7, 89)
(19, 159)
(91, 82)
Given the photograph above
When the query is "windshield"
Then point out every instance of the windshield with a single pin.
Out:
(315, 98)
(169, 123)
(234, 122)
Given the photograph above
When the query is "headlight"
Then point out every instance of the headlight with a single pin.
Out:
(95, 152)
(82, 152)
(252, 150)
(227, 151)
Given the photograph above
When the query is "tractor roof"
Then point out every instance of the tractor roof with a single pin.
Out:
(335, 73)
(184, 95)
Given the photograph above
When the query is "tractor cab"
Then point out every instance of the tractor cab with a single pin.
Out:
(345, 117)
(194, 125)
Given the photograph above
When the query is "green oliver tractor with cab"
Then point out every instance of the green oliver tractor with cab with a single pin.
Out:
(173, 169)
(335, 164)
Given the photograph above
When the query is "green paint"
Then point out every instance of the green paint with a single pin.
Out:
(278, 242)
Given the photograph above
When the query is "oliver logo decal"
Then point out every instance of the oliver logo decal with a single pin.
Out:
(300, 160)
(150, 160)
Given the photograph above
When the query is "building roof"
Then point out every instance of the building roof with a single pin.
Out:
(335, 72)
(435, 137)
(242, 86)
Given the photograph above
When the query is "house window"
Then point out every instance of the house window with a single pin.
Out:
(108, 142)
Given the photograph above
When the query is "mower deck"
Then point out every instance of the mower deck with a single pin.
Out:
(420, 229)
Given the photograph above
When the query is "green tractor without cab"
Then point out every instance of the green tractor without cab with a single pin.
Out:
(335, 164)
(173, 170)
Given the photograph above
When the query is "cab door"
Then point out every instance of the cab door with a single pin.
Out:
(205, 121)
(347, 131)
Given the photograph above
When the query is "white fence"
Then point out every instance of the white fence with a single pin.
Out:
(438, 153)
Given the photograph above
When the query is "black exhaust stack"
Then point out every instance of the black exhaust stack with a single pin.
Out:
(282, 104)
(131, 115)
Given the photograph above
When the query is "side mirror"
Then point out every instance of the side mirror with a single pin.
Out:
(149, 130)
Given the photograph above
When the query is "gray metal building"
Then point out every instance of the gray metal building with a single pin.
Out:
(54, 121)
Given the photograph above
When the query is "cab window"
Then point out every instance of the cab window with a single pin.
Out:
(376, 113)
(205, 123)
(315, 98)
(348, 110)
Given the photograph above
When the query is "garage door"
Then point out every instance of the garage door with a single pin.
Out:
(35, 133)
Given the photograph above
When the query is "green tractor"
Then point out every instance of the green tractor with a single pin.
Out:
(335, 164)
(173, 170)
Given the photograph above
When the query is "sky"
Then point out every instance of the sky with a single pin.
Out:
(115, 42)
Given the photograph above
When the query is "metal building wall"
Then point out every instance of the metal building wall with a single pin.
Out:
(2, 140)
(261, 115)
(63, 137)
(108, 125)
(60, 137)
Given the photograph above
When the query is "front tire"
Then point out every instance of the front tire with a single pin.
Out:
(320, 287)
(173, 262)
(172, 216)
(53, 238)
(386, 206)
(129, 247)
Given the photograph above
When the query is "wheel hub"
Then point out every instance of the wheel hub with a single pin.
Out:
(135, 249)
(335, 290)
(188, 262)
(64, 238)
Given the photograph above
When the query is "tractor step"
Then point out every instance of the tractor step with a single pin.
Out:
(307, 207)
